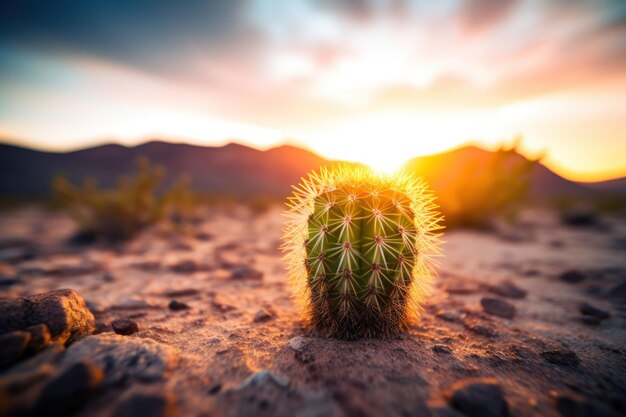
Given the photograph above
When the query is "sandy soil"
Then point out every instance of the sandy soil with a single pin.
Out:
(240, 348)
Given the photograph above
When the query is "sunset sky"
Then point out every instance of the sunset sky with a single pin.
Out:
(373, 81)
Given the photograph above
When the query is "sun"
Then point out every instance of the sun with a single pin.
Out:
(385, 141)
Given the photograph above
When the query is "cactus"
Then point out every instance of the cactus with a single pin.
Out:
(360, 248)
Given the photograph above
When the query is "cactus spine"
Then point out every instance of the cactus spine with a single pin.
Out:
(360, 249)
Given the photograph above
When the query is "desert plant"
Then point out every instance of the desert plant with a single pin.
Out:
(487, 190)
(360, 249)
(119, 213)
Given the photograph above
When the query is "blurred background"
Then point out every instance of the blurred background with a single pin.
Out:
(499, 105)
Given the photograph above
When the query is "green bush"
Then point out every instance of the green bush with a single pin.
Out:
(121, 212)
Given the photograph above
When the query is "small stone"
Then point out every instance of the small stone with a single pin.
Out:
(9, 282)
(263, 377)
(590, 320)
(572, 276)
(573, 405)
(216, 388)
(498, 307)
(442, 349)
(69, 390)
(461, 289)
(449, 316)
(508, 289)
(245, 272)
(303, 357)
(63, 311)
(125, 327)
(480, 397)
(177, 305)
(587, 309)
(183, 292)
(12, 347)
(562, 357)
(298, 342)
(262, 316)
(150, 404)
(40, 339)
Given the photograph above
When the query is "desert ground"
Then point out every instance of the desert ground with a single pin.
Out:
(197, 320)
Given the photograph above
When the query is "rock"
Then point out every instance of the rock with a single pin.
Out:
(262, 316)
(572, 276)
(183, 292)
(562, 357)
(498, 307)
(449, 316)
(245, 272)
(68, 391)
(298, 342)
(508, 289)
(124, 358)
(9, 282)
(263, 377)
(125, 327)
(63, 311)
(303, 357)
(590, 320)
(579, 217)
(148, 404)
(40, 337)
(177, 306)
(587, 309)
(442, 349)
(12, 347)
(573, 405)
(479, 397)
(24, 375)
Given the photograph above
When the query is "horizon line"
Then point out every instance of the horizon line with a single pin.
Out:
(20, 143)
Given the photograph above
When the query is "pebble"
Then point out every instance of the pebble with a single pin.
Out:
(508, 289)
(13, 346)
(9, 282)
(263, 377)
(69, 390)
(449, 316)
(184, 292)
(188, 267)
(177, 305)
(481, 329)
(298, 342)
(479, 397)
(572, 276)
(262, 316)
(63, 311)
(498, 307)
(40, 337)
(442, 349)
(149, 404)
(587, 309)
(222, 306)
(125, 327)
(245, 272)
(562, 357)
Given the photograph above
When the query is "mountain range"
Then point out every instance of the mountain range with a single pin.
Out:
(241, 171)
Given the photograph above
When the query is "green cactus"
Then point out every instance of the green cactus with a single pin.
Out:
(360, 248)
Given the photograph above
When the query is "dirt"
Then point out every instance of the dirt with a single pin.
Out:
(241, 348)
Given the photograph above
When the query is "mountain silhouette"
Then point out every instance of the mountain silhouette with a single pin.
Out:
(239, 170)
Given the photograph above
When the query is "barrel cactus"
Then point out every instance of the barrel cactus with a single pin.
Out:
(360, 248)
